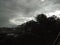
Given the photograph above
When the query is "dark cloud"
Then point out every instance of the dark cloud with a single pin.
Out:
(15, 9)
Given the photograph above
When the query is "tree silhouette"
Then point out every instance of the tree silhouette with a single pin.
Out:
(43, 31)
(41, 18)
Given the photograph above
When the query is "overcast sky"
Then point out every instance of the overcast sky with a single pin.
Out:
(16, 12)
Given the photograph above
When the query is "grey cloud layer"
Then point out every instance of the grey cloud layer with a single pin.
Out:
(9, 9)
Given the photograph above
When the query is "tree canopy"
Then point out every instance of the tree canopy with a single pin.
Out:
(43, 31)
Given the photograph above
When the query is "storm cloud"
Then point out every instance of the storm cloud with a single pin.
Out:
(16, 12)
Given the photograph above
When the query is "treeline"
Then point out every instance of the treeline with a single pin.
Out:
(43, 31)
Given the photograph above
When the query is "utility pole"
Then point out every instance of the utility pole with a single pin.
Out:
(56, 38)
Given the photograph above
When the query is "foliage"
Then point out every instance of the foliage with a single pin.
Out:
(43, 31)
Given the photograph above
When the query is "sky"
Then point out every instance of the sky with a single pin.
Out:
(16, 12)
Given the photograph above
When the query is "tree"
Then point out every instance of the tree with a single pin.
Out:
(41, 18)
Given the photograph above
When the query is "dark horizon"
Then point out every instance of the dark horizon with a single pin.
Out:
(42, 31)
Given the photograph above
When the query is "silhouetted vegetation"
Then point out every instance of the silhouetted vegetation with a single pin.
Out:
(43, 31)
